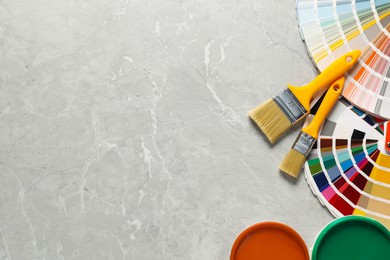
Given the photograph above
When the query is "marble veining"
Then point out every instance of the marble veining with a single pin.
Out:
(124, 131)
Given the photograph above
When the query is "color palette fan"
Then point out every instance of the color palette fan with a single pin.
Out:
(349, 169)
(331, 28)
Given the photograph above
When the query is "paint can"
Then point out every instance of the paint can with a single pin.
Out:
(269, 241)
(352, 238)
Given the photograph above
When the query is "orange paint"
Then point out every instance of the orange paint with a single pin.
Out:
(269, 241)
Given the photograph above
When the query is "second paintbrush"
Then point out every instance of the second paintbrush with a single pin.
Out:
(296, 157)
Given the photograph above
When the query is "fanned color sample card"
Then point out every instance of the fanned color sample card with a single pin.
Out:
(349, 169)
(331, 28)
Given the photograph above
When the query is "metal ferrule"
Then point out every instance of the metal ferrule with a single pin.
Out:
(290, 105)
(304, 143)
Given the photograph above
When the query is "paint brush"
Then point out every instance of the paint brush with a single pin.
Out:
(296, 157)
(291, 104)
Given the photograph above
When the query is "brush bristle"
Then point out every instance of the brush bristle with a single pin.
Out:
(293, 163)
(271, 120)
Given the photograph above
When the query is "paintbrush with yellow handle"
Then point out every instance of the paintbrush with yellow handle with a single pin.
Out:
(296, 157)
(275, 116)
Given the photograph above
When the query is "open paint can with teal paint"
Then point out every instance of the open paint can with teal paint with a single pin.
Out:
(352, 238)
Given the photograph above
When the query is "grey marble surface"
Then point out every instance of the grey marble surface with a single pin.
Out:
(124, 131)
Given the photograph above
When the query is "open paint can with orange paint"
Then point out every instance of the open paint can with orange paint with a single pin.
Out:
(269, 241)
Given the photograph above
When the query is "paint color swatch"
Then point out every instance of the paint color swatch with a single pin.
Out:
(349, 168)
(331, 28)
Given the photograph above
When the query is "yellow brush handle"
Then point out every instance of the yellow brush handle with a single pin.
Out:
(327, 103)
(334, 71)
